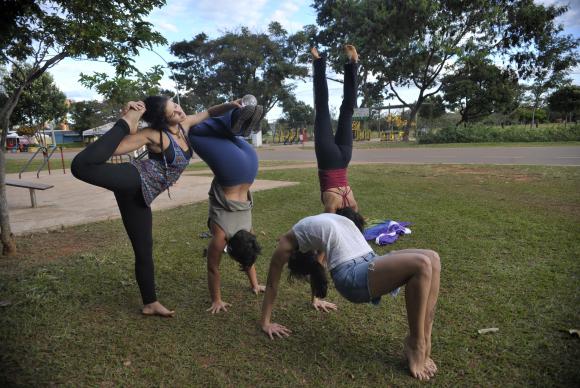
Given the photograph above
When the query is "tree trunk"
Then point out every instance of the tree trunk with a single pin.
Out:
(6, 236)
(8, 243)
(533, 116)
(412, 119)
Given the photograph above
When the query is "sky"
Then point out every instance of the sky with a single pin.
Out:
(183, 19)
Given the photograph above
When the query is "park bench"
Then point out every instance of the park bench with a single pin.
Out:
(29, 185)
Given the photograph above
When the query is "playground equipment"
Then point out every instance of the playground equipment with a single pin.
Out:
(47, 153)
(289, 136)
(359, 133)
(393, 136)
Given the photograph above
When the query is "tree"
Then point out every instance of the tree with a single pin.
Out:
(41, 101)
(414, 43)
(479, 88)
(297, 112)
(238, 63)
(119, 89)
(90, 114)
(566, 100)
(432, 108)
(44, 32)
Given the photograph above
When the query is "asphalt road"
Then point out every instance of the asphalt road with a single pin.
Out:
(543, 155)
(548, 156)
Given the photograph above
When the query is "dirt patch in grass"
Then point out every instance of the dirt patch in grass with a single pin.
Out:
(46, 247)
(495, 172)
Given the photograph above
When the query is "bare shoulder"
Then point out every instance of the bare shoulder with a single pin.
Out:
(287, 241)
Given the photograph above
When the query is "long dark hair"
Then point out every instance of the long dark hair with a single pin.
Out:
(155, 116)
(354, 216)
(305, 266)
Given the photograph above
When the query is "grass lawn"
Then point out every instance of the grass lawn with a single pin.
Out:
(14, 165)
(507, 236)
(384, 144)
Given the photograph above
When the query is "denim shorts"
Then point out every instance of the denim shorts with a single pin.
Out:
(351, 279)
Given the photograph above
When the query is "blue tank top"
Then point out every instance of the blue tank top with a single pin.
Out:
(158, 173)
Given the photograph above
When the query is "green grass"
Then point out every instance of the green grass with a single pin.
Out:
(507, 236)
(14, 165)
(384, 144)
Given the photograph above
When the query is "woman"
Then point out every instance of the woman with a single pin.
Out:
(360, 276)
(333, 152)
(234, 163)
(138, 183)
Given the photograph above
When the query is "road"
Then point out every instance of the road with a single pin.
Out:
(535, 155)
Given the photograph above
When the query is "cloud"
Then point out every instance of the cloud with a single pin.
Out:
(227, 14)
(571, 19)
(285, 12)
(165, 26)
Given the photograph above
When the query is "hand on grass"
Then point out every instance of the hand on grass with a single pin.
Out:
(274, 329)
(322, 305)
(218, 306)
(259, 288)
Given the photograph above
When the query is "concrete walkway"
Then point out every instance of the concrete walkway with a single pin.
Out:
(72, 202)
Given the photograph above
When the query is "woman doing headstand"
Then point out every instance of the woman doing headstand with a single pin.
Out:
(333, 152)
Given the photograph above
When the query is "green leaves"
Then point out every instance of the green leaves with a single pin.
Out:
(237, 63)
(40, 101)
(120, 89)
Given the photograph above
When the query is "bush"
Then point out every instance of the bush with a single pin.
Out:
(492, 134)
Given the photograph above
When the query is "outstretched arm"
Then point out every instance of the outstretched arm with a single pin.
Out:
(131, 113)
(214, 254)
(279, 259)
(253, 278)
(216, 110)
(317, 303)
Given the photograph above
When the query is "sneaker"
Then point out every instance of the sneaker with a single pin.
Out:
(246, 115)
(254, 122)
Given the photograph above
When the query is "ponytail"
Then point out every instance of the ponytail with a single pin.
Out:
(305, 265)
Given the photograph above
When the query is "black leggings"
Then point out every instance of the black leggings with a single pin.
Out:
(123, 179)
(333, 151)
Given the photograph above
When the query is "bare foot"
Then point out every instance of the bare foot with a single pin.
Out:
(157, 308)
(430, 366)
(314, 52)
(351, 53)
(415, 353)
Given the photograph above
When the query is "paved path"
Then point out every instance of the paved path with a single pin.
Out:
(542, 155)
(72, 202)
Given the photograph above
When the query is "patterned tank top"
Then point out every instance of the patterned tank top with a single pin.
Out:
(158, 174)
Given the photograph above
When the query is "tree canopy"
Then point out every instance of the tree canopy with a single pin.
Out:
(41, 101)
(415, 43)
(479, 88)
(238, 63)
(42, 33)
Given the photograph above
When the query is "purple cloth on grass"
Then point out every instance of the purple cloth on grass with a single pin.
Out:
(387, 232)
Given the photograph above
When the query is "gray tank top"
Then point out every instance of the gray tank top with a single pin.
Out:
(231, 216)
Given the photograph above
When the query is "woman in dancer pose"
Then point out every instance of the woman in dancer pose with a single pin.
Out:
(333, 152)
(138, 183)
(359, 276)
(234, 163)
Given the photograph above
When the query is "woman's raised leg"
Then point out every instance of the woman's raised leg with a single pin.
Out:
(327, 153)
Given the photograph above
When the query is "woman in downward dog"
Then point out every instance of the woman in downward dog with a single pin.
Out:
(138, 183)
(333, 152)
(359, 276)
